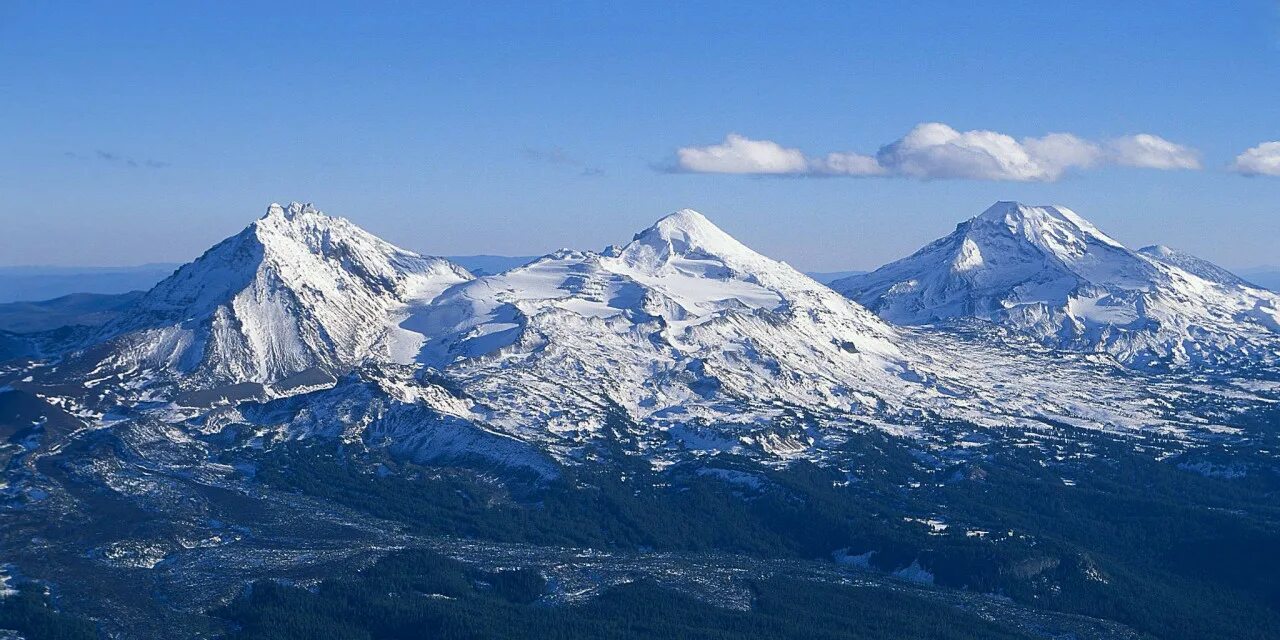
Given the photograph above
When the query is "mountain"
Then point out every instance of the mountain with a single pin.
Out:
(296, 292)
(684, 338)
(1195, 265)
(684, 322)
(1048, 273)
(308, 405)
(827, 277)
(1265, 277)
(487, 265)
(26, 283)
(77, 309)
(684, 331)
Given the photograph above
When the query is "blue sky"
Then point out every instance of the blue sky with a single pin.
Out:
(144, 132)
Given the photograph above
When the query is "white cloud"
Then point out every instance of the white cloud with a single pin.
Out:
(738, 154)
(1059, 152)
(1152, 152)
(933, 150)
(848, 164)
(1262, 160)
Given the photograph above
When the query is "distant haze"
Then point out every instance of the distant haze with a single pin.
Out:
(43, 283)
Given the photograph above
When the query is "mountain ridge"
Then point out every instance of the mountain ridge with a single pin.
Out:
(1049, 273)
(689, 336)
(295, 290)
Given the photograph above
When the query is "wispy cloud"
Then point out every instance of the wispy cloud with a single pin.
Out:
(933, 151)
(558, 156)
(1262, 160)
(120, 159)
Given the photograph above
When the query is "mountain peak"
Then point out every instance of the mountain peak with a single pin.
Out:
(1194, 265)
(290, 211)
(1041, 222)
(298, 233)
(685, 223)
(294, 218)
(683, 233)
(684, 219)
(1049, 273)
(295, 289)
(1013, 210)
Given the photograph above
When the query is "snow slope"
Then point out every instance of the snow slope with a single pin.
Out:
(681, 342)
(296, 291)
(712, 346)
(1048, 273)
(680, 320)
(1194, 265)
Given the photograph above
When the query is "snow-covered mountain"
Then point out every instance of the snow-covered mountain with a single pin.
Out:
(255, 415)
(1195, 265)
(683, 342)
(709, 345)
(297, 292)
(1048, 273)
(684, 322)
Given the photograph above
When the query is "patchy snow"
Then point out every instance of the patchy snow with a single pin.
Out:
(915, 573)
(5, 589)
(861, 560)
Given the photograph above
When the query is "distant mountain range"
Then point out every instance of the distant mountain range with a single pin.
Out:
(38, 284)
(1047, 273)
(684, 323)
(1266, 277)
(304, 396)
(21, 284)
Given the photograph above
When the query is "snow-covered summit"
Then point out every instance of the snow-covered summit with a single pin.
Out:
(682, 316)
(683, 232)
(1047, 272)
(293, 291)
(685, 244)
(681, 340)
(1042, 224)
(1195, 265)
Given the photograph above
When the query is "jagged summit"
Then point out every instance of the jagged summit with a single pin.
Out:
(295, 290)
(292, 211)
(1049, 273)
(303, 223)
(299, 248)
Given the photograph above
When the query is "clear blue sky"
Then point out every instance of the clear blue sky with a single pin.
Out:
(144, 132)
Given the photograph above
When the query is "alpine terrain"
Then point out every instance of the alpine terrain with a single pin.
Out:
(1024, 430)
(1047, 273)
